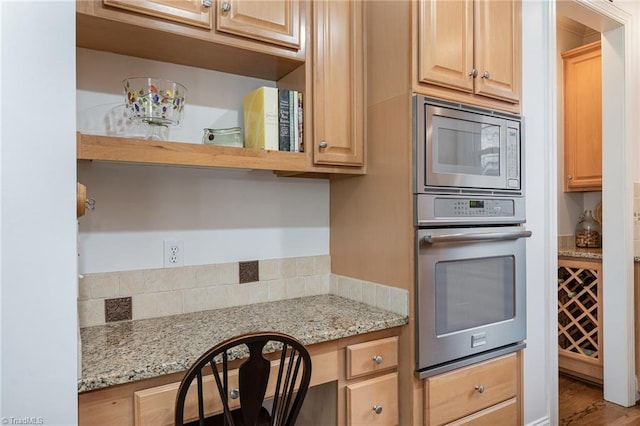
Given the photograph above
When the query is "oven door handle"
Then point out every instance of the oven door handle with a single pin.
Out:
(471, 237)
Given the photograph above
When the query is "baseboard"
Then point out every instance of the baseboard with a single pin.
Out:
(544, 421)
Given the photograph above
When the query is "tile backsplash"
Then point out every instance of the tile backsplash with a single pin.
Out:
(150, 293)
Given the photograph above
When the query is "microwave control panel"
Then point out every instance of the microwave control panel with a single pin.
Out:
(470, 207)
(513, 158)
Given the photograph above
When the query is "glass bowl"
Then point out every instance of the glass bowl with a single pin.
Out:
(154, 101)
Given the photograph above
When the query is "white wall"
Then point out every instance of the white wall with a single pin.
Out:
(221, 215)
(538, 108)
(37, 218)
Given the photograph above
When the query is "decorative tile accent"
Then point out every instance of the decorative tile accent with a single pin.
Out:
(118, 309)
(249, 272)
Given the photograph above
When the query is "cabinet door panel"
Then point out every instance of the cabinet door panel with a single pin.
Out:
(445, 44)
(274, 21)
(338, 97)
(184, 11)
(583, 118)
(498, 49)
(364, 397)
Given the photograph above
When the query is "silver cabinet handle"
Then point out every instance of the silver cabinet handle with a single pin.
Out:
(377, 409)
(479, 236)
(378, 359)
(569, 177)
(234, 393)
(473, 73)
(207, 3)
(485, 75)
(479, 388)
(323, 144)
(225, 6)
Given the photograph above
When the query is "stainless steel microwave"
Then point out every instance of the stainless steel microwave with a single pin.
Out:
(460, 149)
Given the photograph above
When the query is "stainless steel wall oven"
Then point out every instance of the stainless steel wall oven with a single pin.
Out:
(470, 243)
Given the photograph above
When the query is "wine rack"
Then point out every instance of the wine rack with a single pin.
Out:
(580, 318)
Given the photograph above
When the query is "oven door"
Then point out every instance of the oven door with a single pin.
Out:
(470, 294)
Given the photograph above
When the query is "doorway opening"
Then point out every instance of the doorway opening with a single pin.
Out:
(593, 20)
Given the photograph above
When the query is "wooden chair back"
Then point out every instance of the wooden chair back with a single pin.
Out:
(292, 381)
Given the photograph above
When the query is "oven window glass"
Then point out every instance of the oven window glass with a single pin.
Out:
(474, 292)
(466, 147)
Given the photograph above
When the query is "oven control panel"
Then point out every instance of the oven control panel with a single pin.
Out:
(454, 210)
(470, 207)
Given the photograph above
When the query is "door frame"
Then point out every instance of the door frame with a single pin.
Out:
(619, 128)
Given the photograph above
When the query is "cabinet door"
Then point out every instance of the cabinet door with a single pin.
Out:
(445, 44)
(192, 12)
(583, 118)
(373, 402)
(274, 21)
(338, 81)
(498, 51)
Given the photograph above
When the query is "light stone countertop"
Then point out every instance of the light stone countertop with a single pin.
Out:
(585, 253)
(123, 352)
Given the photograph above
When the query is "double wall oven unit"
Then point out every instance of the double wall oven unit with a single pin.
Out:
(469, 210)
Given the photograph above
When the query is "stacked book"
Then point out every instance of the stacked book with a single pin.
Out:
(273, 119)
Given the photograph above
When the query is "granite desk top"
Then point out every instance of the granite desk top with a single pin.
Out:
(123, 352)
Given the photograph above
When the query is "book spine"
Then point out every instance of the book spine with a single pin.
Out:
(292, 123)
(300, 124)
(271, 118)
(294, 127)
(284, 120)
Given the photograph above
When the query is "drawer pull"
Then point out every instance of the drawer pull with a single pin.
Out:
(378, 359)
(479, 388)
(234, 393)
(377, 409)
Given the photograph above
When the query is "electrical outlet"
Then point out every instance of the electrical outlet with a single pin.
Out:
(173, 254)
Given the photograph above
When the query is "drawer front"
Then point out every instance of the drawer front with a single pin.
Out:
(503, 414)
(369, 357)
(364, 398)
(454, 395)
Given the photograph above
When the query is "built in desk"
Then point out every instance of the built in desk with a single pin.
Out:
(131, 370)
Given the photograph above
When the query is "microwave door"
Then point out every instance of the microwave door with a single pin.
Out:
(465, 151)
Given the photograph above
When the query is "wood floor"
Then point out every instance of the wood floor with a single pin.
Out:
(581, 404)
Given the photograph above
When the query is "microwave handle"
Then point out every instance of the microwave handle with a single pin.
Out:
(479, 236)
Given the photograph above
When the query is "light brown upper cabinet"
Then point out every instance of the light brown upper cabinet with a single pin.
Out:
(244, 37)
(192, 12)
(583, 118)
(470, 51)
(276, 22)
(338, 79)
(272, 21)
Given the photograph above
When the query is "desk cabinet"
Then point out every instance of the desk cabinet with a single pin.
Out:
(373, 401)
(151, 402)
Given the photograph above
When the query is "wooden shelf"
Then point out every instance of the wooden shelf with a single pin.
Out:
(107, 148)
(143, 151)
